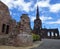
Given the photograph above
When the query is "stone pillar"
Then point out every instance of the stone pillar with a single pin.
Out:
(54, 34)
(47, 35)
(50, 34)
(58, 35)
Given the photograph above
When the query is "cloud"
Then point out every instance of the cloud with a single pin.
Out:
(26, 6)
(9, 3)
(20, 4)
(43, 18)
(54, 22)
(43, 3)
(46, 3)
(55, 7)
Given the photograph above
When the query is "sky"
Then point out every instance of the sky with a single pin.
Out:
(49, 11)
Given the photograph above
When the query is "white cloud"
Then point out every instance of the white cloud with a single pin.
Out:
(43, 3)
(55, 7)
(54, 22)
(21, 4)
(43, 18)
(9, 3)
(52, 7)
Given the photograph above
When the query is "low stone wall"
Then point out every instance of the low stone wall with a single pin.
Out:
(19, 40)
(4, 39)
(23, 40)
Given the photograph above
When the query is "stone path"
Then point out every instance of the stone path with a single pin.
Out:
(49, 44)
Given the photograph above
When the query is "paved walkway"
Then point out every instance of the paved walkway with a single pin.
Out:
(49, 44)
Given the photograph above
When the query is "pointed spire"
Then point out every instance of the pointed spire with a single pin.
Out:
(37, 13)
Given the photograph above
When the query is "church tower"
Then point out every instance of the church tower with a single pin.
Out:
(37, 13)
(37, 23)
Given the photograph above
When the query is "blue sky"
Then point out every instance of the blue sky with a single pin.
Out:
(49, 11)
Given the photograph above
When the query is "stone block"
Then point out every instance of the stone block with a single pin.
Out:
(23, 40)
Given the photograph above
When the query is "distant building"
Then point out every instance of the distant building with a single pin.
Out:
(43, 32)
(37, 23)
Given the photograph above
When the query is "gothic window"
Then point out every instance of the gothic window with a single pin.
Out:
(3, 28)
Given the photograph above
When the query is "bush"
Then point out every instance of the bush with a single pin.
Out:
(35, 37)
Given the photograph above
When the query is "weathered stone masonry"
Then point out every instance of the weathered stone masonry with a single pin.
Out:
(17, 34)
(6, 22)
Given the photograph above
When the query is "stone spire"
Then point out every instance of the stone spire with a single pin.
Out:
(37, 13)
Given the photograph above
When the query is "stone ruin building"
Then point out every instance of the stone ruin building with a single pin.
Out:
(6, 22)
(25, 24)
(17, 34)
(24, 36)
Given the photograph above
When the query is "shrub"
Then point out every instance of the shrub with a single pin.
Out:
(35, 37)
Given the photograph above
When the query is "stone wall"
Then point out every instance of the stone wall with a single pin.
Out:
(5, 19)
(25, 24)
(18, 35)
(4, 16)
(23, 40)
